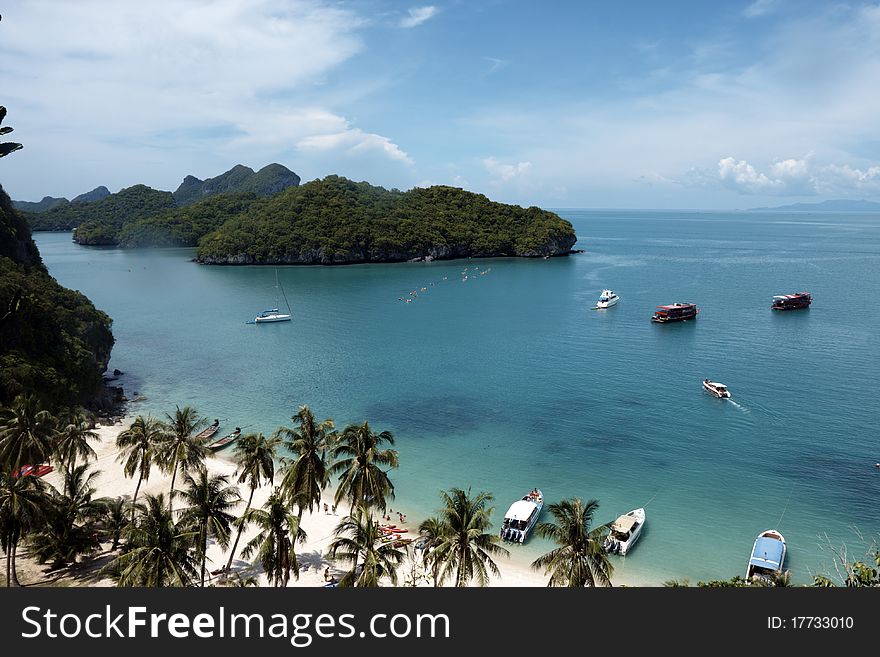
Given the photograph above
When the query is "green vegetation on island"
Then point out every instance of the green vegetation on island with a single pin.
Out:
(53, 341)
(98, 217)
(335, 220)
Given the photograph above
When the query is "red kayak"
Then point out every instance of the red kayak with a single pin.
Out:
(33, 471)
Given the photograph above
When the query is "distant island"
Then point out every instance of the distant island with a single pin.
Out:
(839, 205)
(98, 216)
(267, 217)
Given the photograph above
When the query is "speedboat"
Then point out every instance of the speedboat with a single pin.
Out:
(718, 389)
(768, 555)
(625, 531)
(607, 299)
(521, 517)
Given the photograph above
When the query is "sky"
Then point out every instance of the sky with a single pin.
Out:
(582, 104)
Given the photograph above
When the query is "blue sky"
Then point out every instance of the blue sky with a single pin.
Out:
(558, 104)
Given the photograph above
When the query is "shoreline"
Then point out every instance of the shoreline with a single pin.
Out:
(319, 526)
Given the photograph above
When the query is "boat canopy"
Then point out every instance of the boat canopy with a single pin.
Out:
(624, 524)
(520, 510)
(767, 553)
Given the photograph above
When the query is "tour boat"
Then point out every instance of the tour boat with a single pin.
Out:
(718, 389)
(791, 301)
(521, 517)
(607, 299)
(625, 531)
(676, 312)
(768, 555)
(226, 440)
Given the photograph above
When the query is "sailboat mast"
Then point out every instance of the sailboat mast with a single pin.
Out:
(277, 286)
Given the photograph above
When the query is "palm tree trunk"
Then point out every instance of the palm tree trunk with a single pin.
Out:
(171, 494)
(240, 530)
(9, 568)
(14, 546)
(204, 552)
(136, 491)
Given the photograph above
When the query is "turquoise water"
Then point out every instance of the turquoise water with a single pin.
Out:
(509, 380)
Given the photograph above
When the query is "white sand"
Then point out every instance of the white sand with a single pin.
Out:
(318, 525)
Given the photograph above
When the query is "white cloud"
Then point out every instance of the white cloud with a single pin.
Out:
(496, 64)
(759, 8)
(741, 175)
(418, 15)
(354, 141)
(505, 172)
(799, 177)
(171, 87)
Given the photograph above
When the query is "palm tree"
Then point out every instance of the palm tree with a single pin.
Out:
(275, 544)
(159, 553)
(255, 455)
(210, 498)
(112, 519)
(182, 450)
(23, 502)
(463, 544)
(359, 539)
(138, 447)
(26, 433)
(357, 457)
(431, 533)
(72, 440)
(70, 520)
(307, 475)
(580, 559)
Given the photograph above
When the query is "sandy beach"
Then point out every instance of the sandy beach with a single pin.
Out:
(318, 525)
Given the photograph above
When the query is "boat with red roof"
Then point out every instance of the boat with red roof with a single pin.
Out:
(792, 301)
(676, 312)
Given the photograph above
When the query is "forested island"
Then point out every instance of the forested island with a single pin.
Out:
(268, 218)
(335, 220)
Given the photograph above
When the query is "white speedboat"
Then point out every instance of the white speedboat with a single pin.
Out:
(521, 517)
(768, 555)
(625, 531)
(718, 389)
(607, 299)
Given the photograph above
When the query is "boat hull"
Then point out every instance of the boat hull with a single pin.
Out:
(607, 304)
(622, 547)
(272, 318)
(517, 531)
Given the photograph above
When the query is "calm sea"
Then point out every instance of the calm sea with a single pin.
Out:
(499, 376)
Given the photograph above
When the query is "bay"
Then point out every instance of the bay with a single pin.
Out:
(507, 379)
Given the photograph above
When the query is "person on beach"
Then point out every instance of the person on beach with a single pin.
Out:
(325, 508)
(327, 574)
(334, 509)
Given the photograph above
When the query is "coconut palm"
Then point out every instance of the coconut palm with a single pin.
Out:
(159, 550)
(71, 442)
(112, 519)
(255, 455)
(307, 475)
(431, 533)
(463, 546)
(358, 459)
(182, 450)
(276, 541)
(23, 502)
(138, 446)
(360, 540)
(69, 528)
(210, 500)
(26, 432)
(580, 559)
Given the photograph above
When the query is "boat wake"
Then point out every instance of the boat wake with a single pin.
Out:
(739, 406)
